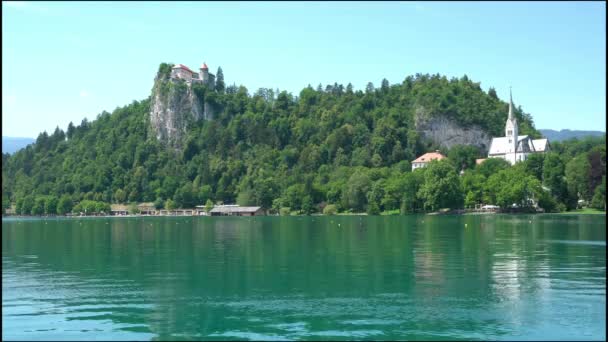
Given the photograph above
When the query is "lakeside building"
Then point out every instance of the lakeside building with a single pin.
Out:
(514, 147)
(123, 209)
(426, 158)
(218, 210)
(235, 210)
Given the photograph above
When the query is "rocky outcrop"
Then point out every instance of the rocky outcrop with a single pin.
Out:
(447, 133)
(175, 106)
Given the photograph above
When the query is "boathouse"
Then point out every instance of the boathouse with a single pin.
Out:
(235, 210)
(119, 209)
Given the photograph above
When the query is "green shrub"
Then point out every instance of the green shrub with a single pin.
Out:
(330, 209)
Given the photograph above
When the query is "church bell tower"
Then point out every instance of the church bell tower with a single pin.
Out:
(511, 131)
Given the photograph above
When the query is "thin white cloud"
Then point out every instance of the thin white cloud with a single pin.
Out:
(84, 93)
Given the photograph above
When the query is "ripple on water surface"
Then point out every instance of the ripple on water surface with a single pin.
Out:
(380, 278)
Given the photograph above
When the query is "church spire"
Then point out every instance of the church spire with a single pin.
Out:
(510, 105)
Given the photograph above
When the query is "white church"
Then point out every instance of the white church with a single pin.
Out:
(514, 147)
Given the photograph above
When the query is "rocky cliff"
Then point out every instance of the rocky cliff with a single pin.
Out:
(447, 133)
(175, 106)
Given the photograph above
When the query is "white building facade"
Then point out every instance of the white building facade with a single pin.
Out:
(514, 147)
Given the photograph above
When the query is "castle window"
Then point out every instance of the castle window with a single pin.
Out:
(509, 133)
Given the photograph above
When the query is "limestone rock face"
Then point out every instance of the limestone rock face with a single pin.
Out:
(174, 107)
(447, 133)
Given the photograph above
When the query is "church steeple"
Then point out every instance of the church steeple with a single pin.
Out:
(510, 105)
(511, 129)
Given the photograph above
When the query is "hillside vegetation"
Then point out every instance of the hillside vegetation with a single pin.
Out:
(329, 145)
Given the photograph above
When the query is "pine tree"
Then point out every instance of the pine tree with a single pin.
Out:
(220, 86)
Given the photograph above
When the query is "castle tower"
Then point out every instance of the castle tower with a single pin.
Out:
(204, 75)
(511, 130)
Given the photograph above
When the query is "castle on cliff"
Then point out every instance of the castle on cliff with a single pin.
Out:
(181, 71)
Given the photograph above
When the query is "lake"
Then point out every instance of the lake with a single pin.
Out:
(497, 277)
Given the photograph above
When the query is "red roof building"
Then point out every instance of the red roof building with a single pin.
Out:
(181, 66)
(426, 158)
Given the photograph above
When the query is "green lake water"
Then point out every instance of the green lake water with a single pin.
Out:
(491, 277)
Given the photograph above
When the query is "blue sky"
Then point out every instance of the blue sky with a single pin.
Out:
(66, 61)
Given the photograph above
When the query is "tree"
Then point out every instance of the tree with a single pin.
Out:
(71, 130)
(307, 205)
(472, 186)
(374, 198)
(38, 207)
(597, 166)
(354, 195)
(599, 197)
(553, 176)
(245, 198)
(411, 202)
(220, 86)
(50, 205)
(170, 204)
(133, 209)
(492, 93)
(513, 186)
(577, 176)
(384, 86)
(441, 187)
(27, 205)
(463, 156)
(6, 203)
(349, 88)
(534, 165)
(369, 88)
(204, 194)
(65, 205)
(120, 196)
(330, 209)
(491, 166)
(208, 205)
(184, 196)
(158, 203)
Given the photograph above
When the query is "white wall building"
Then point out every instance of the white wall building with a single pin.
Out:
(426, 158)
(514, 147)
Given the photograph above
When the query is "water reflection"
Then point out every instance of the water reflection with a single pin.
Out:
(415, 277)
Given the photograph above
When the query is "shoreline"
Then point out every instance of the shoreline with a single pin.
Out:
(458, 213)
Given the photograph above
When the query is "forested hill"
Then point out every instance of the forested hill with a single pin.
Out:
(262, 148)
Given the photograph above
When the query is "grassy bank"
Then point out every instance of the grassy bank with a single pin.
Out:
(584, 211)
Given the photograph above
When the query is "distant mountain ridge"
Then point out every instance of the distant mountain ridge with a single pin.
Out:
(13, 144)
(566, 134)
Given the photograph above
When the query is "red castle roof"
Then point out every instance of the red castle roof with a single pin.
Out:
(181, 66)
(204, 66)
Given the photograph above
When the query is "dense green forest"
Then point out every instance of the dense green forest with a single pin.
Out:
(328, 149)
